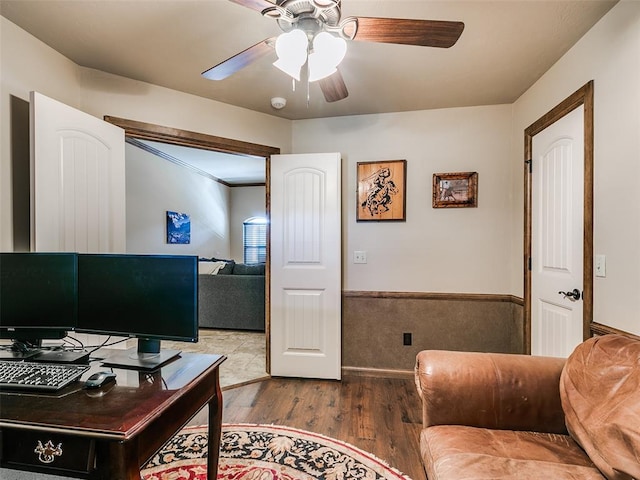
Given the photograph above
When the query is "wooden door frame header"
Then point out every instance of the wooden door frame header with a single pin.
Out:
(186, 138)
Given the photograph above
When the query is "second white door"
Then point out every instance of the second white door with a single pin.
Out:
(306, 289)
(557, 237)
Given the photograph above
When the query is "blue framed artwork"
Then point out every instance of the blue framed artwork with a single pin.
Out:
(178, 228)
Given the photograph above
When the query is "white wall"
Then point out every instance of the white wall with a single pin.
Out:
(435, 250)
(246, 202)
(609, 54)
(27, 64)
(156, 185)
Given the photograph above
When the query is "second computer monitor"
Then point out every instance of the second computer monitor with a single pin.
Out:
(148, 297)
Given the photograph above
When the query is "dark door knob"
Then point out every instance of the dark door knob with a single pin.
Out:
(573, 295)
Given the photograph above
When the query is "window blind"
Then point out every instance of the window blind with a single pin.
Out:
(255, 241)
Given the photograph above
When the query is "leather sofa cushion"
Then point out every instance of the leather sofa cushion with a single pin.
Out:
(600, 394)
(490, 390)
(453, 452)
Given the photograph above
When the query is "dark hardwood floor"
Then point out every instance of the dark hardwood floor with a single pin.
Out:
(379, 415)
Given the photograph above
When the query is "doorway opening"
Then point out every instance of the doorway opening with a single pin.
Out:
(146, 131)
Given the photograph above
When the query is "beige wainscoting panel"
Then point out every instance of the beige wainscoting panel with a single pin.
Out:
(374, 324)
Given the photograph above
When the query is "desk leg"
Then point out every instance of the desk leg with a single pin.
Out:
(117, 460)
(215, 431)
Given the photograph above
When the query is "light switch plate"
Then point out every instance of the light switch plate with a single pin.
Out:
(601, 266)
(359, 256)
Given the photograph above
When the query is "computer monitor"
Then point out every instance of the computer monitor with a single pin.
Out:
(148, 297)
(37, 298)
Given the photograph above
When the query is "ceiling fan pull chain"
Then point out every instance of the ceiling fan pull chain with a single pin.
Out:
(308, 87)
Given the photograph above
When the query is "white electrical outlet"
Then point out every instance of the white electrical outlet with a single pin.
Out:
(601, 266)
(359, 256)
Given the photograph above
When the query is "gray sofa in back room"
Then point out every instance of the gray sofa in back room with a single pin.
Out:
(233, 298)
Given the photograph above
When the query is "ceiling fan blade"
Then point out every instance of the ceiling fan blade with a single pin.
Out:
(425, 33)
(240, 60)
(258, 5)
(333, 87)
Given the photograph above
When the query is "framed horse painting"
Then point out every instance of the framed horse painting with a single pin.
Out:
(381, 191)
(455, 189)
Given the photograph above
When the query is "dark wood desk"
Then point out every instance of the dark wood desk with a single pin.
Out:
(112, 432)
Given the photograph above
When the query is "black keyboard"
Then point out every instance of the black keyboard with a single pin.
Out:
(38, 376)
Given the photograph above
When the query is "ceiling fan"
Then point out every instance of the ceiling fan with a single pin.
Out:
(322, 19)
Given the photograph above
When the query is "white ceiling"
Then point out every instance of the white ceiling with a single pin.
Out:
(505, 47)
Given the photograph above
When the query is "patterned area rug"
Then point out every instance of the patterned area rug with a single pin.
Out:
(266, 452)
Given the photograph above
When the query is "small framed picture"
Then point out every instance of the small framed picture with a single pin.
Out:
(451, 190)
(381, 191)
(178, 228)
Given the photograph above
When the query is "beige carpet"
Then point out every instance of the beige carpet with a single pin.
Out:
(245, 351)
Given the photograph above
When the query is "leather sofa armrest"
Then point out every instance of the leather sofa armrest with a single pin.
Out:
(490, 390)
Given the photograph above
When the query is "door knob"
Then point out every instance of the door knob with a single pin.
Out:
(573, 295)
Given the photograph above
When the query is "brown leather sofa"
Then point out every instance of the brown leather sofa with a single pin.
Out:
(498, 416)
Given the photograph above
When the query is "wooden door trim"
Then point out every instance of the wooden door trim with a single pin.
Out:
(583, 96)
(175, 136)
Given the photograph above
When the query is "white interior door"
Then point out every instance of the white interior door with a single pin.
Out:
(557, 237)
(78, 180)
(306, 290)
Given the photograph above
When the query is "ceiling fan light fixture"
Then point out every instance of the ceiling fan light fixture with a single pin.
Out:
(293, 70)
(328, 52)
(291, 48)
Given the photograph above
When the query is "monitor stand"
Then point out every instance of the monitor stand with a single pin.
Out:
(147, 356)
(62, 356)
